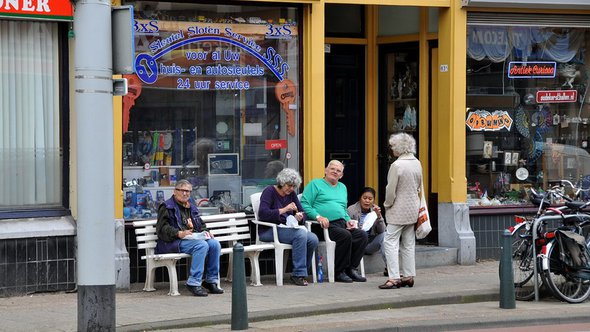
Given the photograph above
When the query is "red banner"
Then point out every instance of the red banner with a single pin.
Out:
(275, 144)
(557, 96)
(49, 9)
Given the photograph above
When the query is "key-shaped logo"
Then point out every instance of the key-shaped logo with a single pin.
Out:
(285, 92)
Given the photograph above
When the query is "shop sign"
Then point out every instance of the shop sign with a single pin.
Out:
(275, 144)
(539, 69)
(482, 120)
(189, 74)
(557, 96)
(54, 10)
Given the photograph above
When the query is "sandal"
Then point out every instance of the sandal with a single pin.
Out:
(391, 284)
(409, 281)
(299, 281)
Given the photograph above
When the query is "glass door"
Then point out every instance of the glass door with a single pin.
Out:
(398, 100)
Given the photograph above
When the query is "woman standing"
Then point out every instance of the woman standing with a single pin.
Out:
(402, 202)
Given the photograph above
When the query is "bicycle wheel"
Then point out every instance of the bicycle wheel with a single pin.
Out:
(562, 281)
(522, 265)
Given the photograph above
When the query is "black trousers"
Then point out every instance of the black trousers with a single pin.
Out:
(350, 244)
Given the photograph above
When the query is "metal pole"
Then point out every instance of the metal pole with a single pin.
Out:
(93, 106)
(507, 297)
(535, 269)
(239, 301)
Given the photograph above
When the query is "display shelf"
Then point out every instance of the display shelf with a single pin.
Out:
(402, 100)
(158, 166)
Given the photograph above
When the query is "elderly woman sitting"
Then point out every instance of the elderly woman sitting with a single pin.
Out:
(279, 202)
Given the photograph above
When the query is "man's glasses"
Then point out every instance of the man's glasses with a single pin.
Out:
(184, 191)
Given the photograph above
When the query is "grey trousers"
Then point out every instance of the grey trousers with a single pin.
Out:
(399, 246)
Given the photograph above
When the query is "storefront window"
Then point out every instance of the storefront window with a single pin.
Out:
(30, 119)
(215, 100)
(527, 118)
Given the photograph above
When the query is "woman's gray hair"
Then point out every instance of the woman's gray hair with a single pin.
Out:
(288, 176)
(402, 143)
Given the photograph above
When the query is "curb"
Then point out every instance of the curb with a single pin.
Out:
(485, 295)
(470, 324)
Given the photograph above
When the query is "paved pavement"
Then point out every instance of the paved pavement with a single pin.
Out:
(463, 296)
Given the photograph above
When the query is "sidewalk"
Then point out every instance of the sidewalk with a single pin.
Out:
(137, 310)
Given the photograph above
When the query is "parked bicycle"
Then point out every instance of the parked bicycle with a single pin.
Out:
(563, 253)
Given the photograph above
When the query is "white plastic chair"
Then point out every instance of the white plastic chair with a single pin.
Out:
(330, 248)
(279, 247)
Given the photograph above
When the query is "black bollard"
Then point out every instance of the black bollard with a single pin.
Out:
(507, 300)
(239, 301)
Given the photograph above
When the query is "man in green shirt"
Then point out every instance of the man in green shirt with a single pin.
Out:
(326, 200)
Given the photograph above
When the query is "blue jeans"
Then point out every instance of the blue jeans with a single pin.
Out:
(376, 244)
(200, 249)
(304, 245)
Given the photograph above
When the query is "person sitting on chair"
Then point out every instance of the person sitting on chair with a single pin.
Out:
(278, 204)
(325, 200)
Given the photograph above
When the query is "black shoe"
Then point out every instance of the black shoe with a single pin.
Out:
(212, 288)
(355, 276)
(299, 281)
(197, 290)
(342, 277)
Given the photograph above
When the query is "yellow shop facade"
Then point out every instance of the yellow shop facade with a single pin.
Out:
(226, 94)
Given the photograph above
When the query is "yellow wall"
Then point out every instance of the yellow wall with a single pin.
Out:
(372, 105)
(118, 145)
(452, 50)
(423, 103)
(313, 76)
(118, 150)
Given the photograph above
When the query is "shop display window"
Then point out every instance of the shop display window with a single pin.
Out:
(527, 117)
(215, 100)
(32, 116)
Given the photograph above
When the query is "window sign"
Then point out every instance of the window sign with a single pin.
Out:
(543, 69)
(482, 120)
(213, 85)
(557, 96)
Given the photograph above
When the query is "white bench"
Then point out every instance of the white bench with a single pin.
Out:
(228, 229)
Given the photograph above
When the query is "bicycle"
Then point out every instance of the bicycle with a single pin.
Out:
(522, 249)
(565, 259)
(522, 246)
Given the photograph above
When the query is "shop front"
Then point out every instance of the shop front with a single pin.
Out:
(37, 233)
(527, 114)
(216, 100)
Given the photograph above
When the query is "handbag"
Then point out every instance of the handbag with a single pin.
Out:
(423, 223)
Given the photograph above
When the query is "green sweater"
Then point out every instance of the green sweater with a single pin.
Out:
(321, 198)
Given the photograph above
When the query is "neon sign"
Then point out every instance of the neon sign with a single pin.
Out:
(539, 69)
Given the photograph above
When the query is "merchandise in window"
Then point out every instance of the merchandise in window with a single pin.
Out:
(215, 100)
(527, 118)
